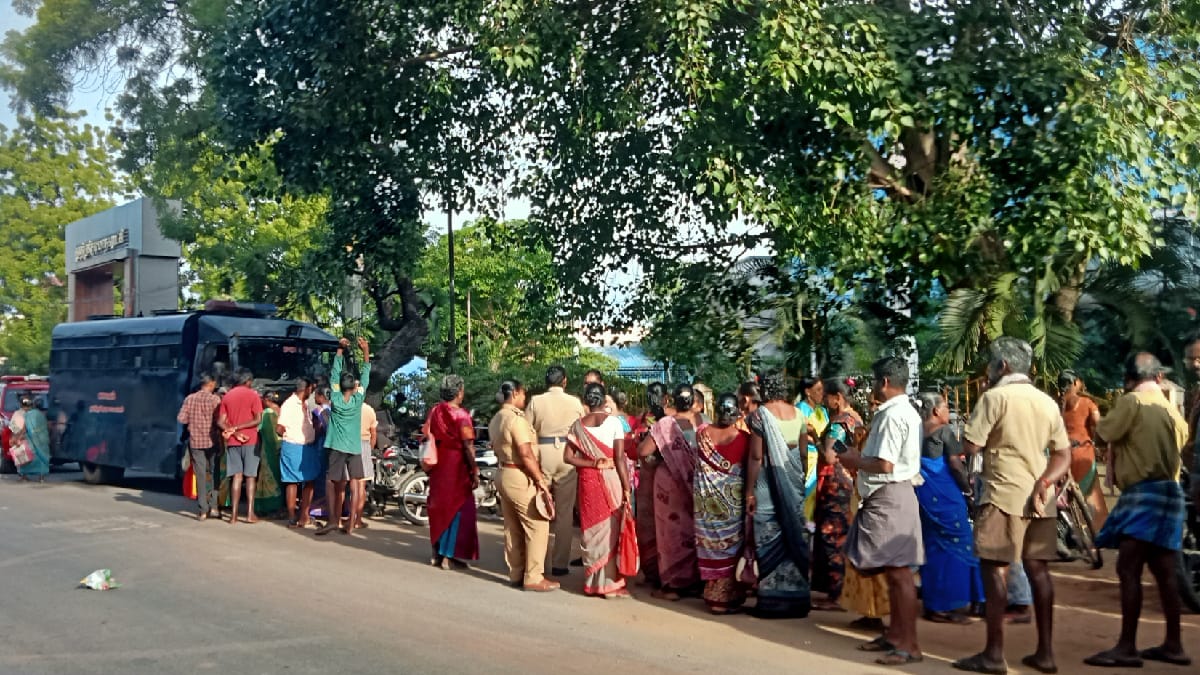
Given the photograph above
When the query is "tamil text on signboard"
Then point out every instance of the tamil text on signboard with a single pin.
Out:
(95, 247)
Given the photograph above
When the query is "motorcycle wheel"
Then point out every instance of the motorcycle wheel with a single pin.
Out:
(415, 511)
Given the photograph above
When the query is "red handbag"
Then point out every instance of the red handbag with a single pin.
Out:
(628, 557)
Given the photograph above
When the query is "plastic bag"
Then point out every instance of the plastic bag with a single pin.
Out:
(429, 458)
(628, 557)
(747, 565)
(21, 453)
(189, 483)
(100, 580)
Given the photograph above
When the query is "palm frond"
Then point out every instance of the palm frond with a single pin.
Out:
(960, 328)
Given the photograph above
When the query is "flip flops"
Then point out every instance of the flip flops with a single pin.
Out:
(1110, 660)
(1160, 654)
(977, 664)
(898, 657)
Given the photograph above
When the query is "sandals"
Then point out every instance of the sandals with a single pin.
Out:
(622, 594)
(948, 617)
(1162, 655)
(879, 644)
(899, 657)
(1107, 659)
(977, 664)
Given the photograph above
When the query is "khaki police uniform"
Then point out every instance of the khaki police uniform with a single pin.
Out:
(526, 532)
(551, 415)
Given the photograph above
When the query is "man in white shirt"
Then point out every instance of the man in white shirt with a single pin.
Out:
(886, 534)
(299, 459)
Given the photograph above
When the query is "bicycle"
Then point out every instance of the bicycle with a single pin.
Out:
(1076, 534)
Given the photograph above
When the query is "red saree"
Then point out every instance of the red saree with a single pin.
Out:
(600, 497)
(452, 527)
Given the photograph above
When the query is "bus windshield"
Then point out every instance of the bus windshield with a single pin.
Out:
(282, 361)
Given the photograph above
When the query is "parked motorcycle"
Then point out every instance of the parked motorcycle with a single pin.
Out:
(414, 492)
(393, 467)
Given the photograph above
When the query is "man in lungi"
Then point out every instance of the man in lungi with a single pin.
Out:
(1014, 424)
(886, 534)
(1146, 436)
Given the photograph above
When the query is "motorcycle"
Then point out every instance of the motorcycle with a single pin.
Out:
(393, 467)
(414, 492)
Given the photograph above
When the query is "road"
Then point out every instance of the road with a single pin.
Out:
(210, 597)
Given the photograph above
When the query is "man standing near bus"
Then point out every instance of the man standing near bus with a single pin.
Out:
(240, 416)
(299, 458)
(198, 412)
(343, 438)
(370, 428)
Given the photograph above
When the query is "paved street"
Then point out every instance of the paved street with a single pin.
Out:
(208, 597)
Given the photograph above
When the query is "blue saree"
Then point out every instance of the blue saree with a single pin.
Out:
(37, 434)
(950, 576)
(781, 540)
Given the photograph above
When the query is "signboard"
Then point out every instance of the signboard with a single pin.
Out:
(95, 247)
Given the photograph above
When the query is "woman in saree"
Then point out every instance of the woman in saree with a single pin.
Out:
(596, 448)
(452, 480)
(950, 579)
(268, 497)
(835, 485)
(775, 500)
(720, 501)
(865, 595)
(1080, 416)
(811, 405)
(670, 447)
(643, 499)
(29, 426)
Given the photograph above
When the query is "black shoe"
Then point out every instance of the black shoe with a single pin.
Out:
(578, 562)
(559, 572)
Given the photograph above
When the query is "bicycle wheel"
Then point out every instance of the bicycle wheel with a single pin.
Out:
(1082, 530)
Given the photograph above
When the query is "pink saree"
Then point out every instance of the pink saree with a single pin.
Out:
(674, 519)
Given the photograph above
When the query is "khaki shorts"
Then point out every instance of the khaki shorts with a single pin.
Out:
(1004, 538)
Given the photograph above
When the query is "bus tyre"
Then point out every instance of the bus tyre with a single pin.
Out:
(7, 465)
(99, 474)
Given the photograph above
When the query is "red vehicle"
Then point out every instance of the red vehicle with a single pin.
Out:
(11, 389)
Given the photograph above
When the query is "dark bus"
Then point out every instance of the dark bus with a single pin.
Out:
(117, 384)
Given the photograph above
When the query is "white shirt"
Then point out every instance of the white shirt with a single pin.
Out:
(896, 438)
(296, 422)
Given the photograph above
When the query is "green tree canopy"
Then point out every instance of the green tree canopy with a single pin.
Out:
(53, 171)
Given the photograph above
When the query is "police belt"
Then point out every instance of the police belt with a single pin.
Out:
(551, 440)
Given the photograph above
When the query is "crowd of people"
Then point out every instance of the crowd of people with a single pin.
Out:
(300, 455)
(755, 500)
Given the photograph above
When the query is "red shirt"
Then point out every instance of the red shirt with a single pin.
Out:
(241, 405)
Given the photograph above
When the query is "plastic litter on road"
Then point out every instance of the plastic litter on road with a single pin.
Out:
(100, 580)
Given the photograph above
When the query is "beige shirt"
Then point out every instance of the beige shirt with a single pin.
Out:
(551, 414)
(369, 421)
(296, 422)
(1015, 424)
(509, 429)
(1148, 436)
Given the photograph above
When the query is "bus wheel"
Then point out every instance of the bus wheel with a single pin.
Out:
(6, 464)
(97, 474)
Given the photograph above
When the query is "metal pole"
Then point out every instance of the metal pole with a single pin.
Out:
(452, 348)
(470, 342)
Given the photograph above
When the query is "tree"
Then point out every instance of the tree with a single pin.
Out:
(52, 172)
(890, 142)
(515, 317)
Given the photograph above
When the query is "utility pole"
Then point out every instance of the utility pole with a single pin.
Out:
(452, 347)
(470, 342)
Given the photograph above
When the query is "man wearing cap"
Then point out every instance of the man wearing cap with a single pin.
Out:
(1146, 436)
(551, 415)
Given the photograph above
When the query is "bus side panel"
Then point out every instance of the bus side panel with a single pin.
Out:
(154, 434)
(96, 429)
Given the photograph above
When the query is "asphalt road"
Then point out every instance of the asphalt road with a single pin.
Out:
(208, 597)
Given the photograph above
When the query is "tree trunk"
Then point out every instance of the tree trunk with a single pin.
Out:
(400, 348)
(1066, 299)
